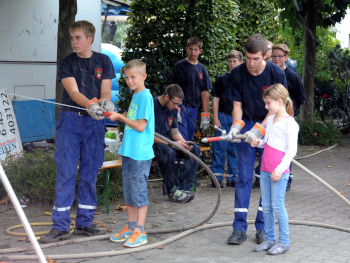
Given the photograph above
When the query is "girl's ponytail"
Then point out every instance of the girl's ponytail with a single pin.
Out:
(278, 91)
(289, 106)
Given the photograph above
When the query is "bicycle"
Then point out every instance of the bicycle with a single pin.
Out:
(329, 105)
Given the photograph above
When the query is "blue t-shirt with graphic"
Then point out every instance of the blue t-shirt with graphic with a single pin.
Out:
(193, 79)
(165, 119)
(248, 89)
(138, 145)
(88, 73)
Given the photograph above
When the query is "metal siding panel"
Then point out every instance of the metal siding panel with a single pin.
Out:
(30, 28)
(30, 114)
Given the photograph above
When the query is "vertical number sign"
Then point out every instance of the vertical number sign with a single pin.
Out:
(10, 140)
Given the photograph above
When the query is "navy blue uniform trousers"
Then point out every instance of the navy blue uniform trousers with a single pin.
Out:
(188, 170)
(187, 127)
(246, 160)
(77, 137)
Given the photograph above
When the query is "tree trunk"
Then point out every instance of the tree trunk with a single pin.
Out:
(67, 12)
(309, 59)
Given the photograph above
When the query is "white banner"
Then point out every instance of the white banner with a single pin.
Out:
(10, 140)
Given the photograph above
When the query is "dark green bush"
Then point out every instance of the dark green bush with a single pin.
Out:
(33, 175)
(317, 133)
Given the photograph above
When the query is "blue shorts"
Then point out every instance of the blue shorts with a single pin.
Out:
(135, 176)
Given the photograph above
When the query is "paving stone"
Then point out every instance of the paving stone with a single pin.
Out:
(307, 200)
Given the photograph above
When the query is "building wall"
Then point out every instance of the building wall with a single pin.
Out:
(90, 10)
(343, 29)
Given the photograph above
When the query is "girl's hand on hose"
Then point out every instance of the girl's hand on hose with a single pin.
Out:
(276, 176)
(255, 142)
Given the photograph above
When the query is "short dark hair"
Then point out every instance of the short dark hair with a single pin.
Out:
(173, 91)
(256, 43)
(195, 41)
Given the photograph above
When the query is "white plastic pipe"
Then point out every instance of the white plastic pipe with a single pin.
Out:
(22, 216)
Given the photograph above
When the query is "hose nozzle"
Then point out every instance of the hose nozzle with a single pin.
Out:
(99, 112)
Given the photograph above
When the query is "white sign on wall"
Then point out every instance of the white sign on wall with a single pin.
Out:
(10, 140)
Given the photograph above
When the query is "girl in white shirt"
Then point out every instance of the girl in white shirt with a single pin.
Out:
(280, 146)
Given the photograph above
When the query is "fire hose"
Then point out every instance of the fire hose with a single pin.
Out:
(187, 230)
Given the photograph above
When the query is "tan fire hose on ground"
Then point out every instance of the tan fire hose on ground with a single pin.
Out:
(187, 230)
(9, 232)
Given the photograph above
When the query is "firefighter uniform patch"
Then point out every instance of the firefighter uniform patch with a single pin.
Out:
(98, 73)
(200, 74)
(170, 121)
(264, 88)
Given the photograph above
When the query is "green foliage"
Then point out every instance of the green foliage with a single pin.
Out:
(316, 133)
(339, 63)
(257, 16)
(33, 175)
(158, 35)
(159, 31)
(329, 12)
(325, 42)
(120, 33)
(306, 15)
(115, 179)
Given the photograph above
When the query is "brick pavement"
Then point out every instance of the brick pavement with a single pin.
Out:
(308, 200)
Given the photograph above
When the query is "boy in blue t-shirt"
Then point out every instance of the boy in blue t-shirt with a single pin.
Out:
(86, 76)
(222, 118)
(193, 78)
(137, 152)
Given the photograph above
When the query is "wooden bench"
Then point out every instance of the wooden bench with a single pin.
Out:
(204, 149)
(104, 198)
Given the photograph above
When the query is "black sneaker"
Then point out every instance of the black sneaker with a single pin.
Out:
(260, 236)
(90, 230)
(179, 197)
(190, 194)
(55, 235)
(231, 183)
(237, 237)
(256, 184)
(220, 183)
(288, 187)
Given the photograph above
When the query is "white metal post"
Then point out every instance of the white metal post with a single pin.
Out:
(22, 216)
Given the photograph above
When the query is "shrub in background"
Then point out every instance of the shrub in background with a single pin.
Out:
(158, 35)
(115, 179)
(33, 175)
(316, 133)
